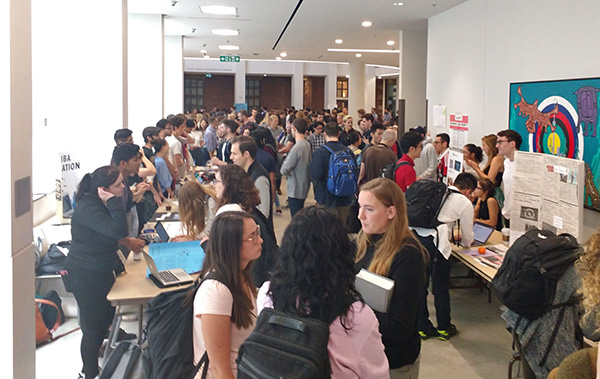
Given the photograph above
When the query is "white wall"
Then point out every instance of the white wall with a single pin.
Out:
(478, 48)
(173, 75)
(145, 72)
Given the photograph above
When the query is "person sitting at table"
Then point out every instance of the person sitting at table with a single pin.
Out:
(487, 210)
(234, 186)
(99, 221)
(225, 309)
(197, 207)
(387, 247)
(303, 283)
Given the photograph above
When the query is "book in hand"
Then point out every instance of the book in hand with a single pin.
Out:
(375, 289)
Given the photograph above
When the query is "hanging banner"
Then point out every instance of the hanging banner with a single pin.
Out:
(66, 185)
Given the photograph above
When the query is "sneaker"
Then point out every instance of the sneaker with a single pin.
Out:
(278, 211)
(124, 336)
(429, 333)
(446, 334)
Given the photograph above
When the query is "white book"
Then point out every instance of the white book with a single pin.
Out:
(375, 289)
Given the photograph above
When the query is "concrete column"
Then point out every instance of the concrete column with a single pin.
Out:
(331, 86)
(173, 75)
(298, 85)
(145, 72)
(370, 88)
(412, 81)
(16, 259)
(240, 82)
(356, 87)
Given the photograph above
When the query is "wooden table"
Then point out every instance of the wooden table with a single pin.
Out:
(486, 272)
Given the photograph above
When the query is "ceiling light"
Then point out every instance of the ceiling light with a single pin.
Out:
(264, 74)
(347, 76)
(358, 55)
(283, 54)
(277, 58)
(366, 24)
(339, 41)
(398, 4)
(363, 51)
(218, 9)
(390, 43)
(225, 32)
(203, 51)
(229, 47)
(379, 77)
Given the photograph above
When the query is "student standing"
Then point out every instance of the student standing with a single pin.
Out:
(296, 167)
(508, 143)
(412, 145)
(387, 247)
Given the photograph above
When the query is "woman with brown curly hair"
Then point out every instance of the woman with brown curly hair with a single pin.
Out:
(234, 186)
(197, 207)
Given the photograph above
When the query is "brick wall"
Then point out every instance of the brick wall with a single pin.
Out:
(219, 91)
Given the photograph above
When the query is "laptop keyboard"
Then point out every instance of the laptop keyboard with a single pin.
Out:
(167, 276)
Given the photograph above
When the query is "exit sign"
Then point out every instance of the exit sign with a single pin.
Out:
(230, 58)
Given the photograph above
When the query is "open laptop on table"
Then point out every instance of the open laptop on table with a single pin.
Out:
(167, 278)
(481, 233)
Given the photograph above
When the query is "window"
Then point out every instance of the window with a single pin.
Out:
(342, 88)
(193, 92)
(253, 93)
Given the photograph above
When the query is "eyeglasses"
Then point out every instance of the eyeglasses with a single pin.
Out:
(255, 236)
(501, 141)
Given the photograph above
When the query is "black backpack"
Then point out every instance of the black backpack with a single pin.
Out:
(285, 346)
(526, 281)
(125, 362)
(424, 200)
(169, 334)
(389, 170)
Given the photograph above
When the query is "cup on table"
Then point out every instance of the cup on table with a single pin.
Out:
(137, 256)
(505, 235)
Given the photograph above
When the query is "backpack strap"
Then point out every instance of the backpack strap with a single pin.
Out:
(328, 148)
(563, 308)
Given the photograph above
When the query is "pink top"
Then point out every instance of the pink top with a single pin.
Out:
(354, 353)
(214, 298)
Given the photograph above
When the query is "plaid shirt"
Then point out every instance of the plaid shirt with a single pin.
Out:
(316, 141)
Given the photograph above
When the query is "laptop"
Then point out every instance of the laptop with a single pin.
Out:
(167, 278)
(481, 233)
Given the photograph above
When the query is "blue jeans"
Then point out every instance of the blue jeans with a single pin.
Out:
(295, 205)
(439, 272)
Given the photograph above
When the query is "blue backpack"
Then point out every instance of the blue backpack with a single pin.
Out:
(342, 178)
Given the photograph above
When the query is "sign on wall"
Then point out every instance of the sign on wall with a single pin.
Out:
(66, 184)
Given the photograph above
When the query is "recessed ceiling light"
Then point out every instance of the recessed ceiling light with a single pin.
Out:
(366, 24)
(338, 41)
(229, 47)
(358, 55)
(398, 4)
(218, 9)
(283, 54)
(363, 51)
(347, 76)
(277, 58)
(379, 77)
(390, 43)
(264, 74)
(225, 32)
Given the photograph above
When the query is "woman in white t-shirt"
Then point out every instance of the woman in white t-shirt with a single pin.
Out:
(225, 309)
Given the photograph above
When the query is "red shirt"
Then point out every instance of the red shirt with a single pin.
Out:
(405, 175)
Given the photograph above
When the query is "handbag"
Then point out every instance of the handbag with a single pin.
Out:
(42, 332)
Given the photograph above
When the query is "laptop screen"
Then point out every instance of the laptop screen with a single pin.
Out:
(482, 232)
(162, 232)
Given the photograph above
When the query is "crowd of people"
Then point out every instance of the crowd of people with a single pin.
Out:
(311, 272)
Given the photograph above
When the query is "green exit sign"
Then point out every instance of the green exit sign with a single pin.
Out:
(230, 58)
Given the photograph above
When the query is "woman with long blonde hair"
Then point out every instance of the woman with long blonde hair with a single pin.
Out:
(494, 167)
(197, 207)
(387, 247)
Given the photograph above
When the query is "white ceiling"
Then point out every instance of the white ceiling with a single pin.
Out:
(312, 31)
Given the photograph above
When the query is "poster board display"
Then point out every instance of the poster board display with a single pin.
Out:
(459, 130)
(456, 165)
(548, 194)
(66, 184)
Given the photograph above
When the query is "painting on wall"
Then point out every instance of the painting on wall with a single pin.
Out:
(560, 118)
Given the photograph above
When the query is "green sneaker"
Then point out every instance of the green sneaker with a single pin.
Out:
(446, 334)
(426, 334)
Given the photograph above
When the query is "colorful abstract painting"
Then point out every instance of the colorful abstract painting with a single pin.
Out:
(560, 117)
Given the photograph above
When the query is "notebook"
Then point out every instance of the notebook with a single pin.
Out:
(375, 289)
(481, 233)
(167, 278)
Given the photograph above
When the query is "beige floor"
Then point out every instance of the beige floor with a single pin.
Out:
(482, 349)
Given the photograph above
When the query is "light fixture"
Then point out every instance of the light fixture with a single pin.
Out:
(203, 51)
(358, 55)
(225, 32)
(277, 58)
(379, 77)
(347, 76)
(366, 24)
(339, 41)
(229, 47)
(264, 74)
(390, 43)
(283, 54)
(218, 9)
(398, 4)
(363, 51)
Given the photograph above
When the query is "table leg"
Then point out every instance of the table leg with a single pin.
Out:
(114, 332)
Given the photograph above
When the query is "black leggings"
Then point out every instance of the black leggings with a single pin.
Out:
(90, 288)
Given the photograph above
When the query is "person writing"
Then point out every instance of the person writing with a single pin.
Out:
(387, 247)
(225, 309)
(99, 221)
